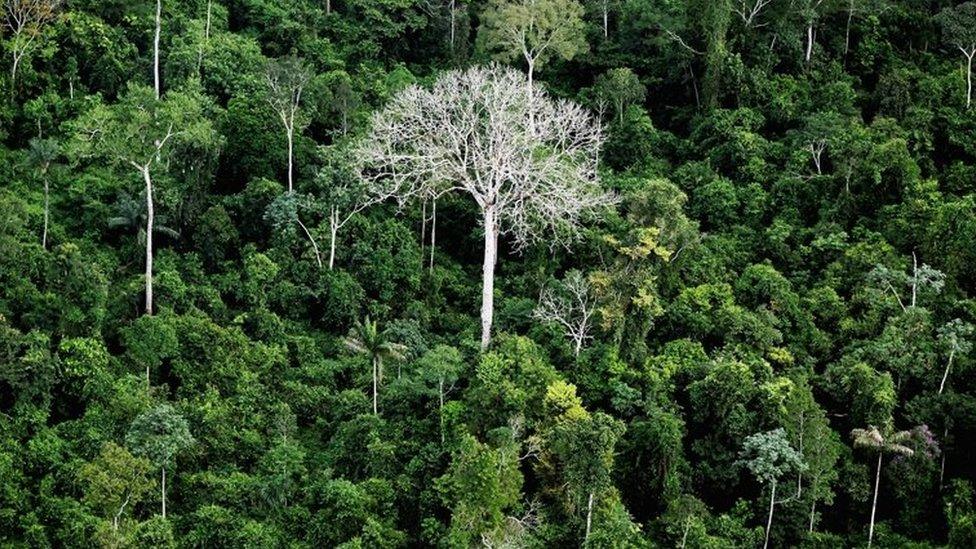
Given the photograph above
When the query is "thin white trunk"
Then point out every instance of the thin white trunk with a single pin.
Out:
(150, 221)
(423, 230)
(606, 21)
(206, 36)
(46, 212)
(118, 515)
(333, 233)
(684, 536)
(453, 24)
(969, 79)
(433, 234)
(945, 375)
(488, 276)
(163, 491)
(914, 279)
(769, 521)
(874, 502)
(375, 386)
(440, 390)
(847, 32)
(289, 130)
(589, 516)
(315, 246)
(809, 41)
(813, 513)
(159, 18)
(531, 83)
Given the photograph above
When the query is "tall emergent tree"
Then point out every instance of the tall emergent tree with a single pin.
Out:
(42, 153)
(959, 28)
(536, 30)
(140, 133)
(471, 132)
(367, 339)
(286, 79)
(25, 20)
(891, 442)
(769, 457)
(159, 435)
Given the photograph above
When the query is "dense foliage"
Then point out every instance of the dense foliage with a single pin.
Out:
(241, 266)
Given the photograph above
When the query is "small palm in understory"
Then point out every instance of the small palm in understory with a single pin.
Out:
(130, 214)
(891, 442)
(365, 338)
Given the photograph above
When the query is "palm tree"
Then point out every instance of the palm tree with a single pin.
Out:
(892, 442)
(131, 214)
(365, 338)
(41, 154)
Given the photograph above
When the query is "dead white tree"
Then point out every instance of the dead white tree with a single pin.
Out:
(286, 79)
(570, 305)
(206, 35)
(25, 20)
(471, 132)
(749, 11)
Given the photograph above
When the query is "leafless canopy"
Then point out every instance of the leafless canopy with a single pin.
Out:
(470, 132)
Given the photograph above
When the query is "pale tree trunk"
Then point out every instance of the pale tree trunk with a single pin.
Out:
(375, 385)
(589, 517)
(13, 73)
(453, 24)
(874, 502)
(684, 536)
(328, 7)
(315, 246)
(206, 37)
(433, 234)
(847, 32)
(809, 41)
(945, 375)
(289, 130)
(529, 98)
(813, 513)
(606, 20)
(440, 390)
(423, 230)
(769, 521)
(163, 492)
(46, 212)
(488, 275)
(150, 220)
(969, 77)
(159, 17)
(333, 234)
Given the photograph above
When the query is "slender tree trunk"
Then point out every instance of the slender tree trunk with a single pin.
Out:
(206, 37)
(159, 18)
(163, 491)
(46, 211)
(290, 131)
(375, 386)
(874, 501)
(150, 221)
(945, 375)
(13, 74)
(423, 231)
(606, 21)
(529, 97)
(809, 41)
(440, 390)
(433, 234)
(969, 79)
(328, 7)
(453, 23)
(914, 279)
(769, 521)
(488, 276)
(589, 516)
(315, 246)
(333, 234)
(684, 536)
(847, 31)
(813, 513)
